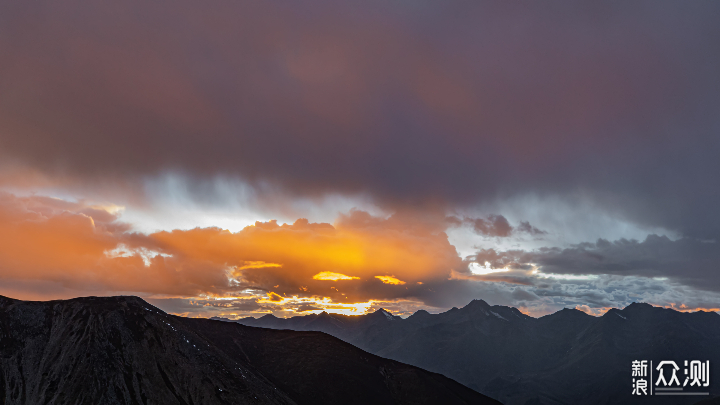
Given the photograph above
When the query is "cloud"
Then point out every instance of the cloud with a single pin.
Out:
(687, 260)
(527, 228)
(49, 241)
(495, 226)
(308, 307)
(330, 276)
(53, 248)
(437, 105)
(274, 297)
(257, 265)
(85, 248)
(339, 261)
(391, 280)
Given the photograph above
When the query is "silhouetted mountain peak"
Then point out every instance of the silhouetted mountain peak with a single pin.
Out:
(419, 314)
(567, 318)
(478, 308)
(572, 312)
(268, 317)
(636, 306)
(383, 314)
(477, 304)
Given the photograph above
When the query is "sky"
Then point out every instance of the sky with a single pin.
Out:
(242, 158)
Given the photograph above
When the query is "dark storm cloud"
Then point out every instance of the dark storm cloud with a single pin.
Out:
(494, 225)
(416, 102)
(689, 261)
(527, 228)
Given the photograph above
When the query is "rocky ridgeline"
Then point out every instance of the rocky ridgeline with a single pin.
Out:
(122, 350)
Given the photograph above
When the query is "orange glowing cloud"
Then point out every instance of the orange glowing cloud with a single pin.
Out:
(257, 265)
(274, 297)
(86, 249)
(328, 275)
(390, 280)
(686, 308)
(76, 247)
(357, 247)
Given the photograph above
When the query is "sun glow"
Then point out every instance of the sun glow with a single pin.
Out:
(486, 268)
(314, 305)
(326, 304)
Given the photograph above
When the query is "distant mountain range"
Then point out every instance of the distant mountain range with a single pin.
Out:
(122, 350)
(568, 357)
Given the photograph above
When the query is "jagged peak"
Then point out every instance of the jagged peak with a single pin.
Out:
(477, 303)
(639, 305)
(384, 313)
(476, 307)
(420, 313)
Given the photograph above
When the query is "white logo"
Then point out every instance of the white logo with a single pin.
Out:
(696, 375)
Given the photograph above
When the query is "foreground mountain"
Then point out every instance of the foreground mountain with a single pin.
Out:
(568, 357)
(122, 350)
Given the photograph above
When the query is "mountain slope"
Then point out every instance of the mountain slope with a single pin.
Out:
(122, 350)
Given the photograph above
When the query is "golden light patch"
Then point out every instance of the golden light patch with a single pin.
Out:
(390, 280)
(330, 276)
(274, 297)
(328, 305)
(258, 265)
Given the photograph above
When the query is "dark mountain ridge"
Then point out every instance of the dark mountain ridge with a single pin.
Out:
(122, 350)
(567, 357)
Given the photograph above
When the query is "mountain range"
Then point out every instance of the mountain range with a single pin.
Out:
(122, 350)
(566, 358)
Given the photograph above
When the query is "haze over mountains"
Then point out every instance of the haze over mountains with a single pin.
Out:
(567, 357)
(122, 350)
